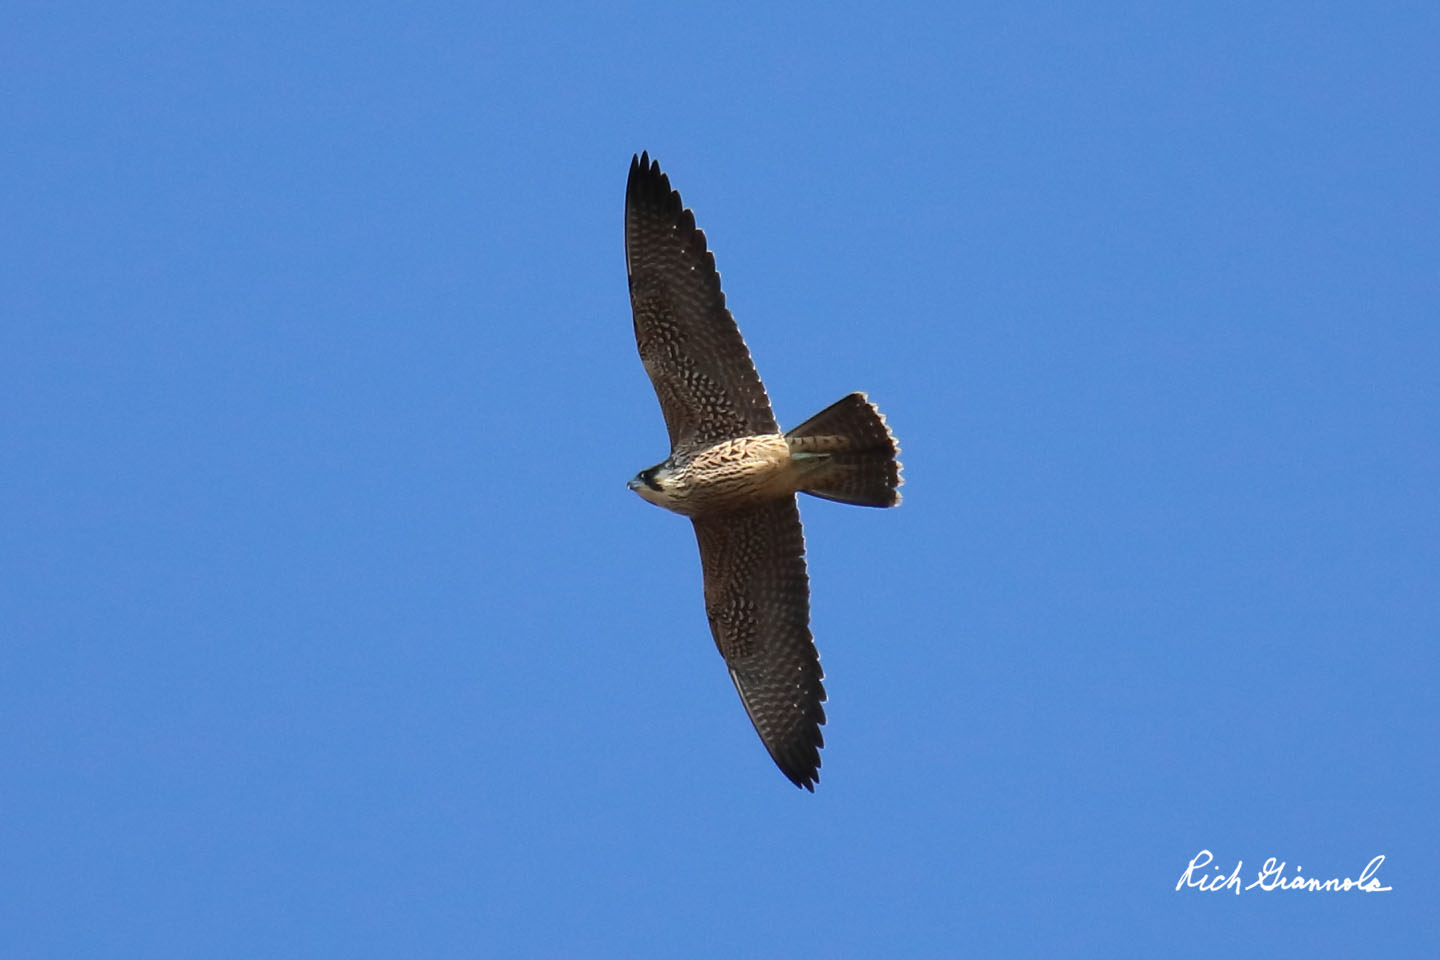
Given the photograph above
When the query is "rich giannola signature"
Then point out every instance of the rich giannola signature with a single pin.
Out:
(1202, 875)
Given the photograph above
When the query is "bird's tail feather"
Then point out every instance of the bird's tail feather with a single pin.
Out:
(853, 453)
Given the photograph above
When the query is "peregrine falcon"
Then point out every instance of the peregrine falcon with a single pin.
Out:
(735, 474)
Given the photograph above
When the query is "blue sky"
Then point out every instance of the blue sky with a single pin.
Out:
(329, 626)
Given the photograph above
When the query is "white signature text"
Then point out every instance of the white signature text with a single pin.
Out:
(1202, 876)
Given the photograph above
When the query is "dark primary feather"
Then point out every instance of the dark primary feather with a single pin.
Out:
(692, 350)
(757, 598)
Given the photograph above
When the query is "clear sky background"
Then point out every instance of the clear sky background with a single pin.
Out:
(330, 628)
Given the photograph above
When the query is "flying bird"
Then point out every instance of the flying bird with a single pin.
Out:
(735, 474)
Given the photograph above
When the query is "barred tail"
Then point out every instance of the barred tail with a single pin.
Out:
(852, 452)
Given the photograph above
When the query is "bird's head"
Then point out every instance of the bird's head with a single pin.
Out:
(654, 484)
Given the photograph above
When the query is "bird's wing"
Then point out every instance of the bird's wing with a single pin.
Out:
(757, 597)
(692, 350)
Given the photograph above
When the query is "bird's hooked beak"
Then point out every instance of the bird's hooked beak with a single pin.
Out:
(634, 483)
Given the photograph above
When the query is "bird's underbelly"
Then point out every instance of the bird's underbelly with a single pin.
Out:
(735, 473)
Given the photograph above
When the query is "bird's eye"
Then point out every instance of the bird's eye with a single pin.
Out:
(647, 477)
